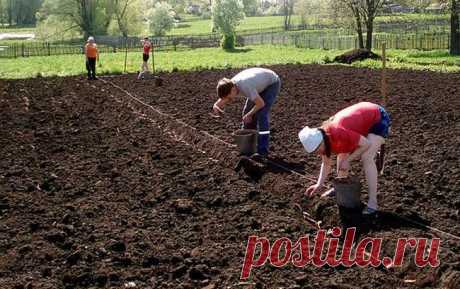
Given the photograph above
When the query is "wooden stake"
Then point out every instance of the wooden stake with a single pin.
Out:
(153, 58)
(384, 74)
(126, 52)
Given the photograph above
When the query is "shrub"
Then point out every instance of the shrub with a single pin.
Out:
(161, 19)
(228, 41)
(226, 15)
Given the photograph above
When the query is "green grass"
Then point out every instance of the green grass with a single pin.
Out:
(249, 23)
(6, 29)
(411, 18)
(195, 25)
(436, 60)
(198, 59)
(198, 26)
(214, 58)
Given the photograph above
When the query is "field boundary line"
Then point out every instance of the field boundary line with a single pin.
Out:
(426, 227)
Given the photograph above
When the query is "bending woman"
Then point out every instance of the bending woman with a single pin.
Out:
(356, 132)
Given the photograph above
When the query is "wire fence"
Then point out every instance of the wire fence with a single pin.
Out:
(303, 39)
(106, 44)
(419, 41)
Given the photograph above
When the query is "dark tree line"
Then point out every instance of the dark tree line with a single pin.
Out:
(454, 28)
(19, 12)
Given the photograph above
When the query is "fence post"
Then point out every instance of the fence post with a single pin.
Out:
(384, 75)
(22, 50)
(126, 52)
(49, 49)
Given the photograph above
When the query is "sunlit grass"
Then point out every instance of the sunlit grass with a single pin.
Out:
(216, 58)
(197, 59)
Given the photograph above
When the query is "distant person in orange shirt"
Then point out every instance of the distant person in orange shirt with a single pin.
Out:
(92, 55)
(146, 46)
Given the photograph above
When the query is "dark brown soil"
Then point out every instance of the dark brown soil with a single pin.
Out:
(97, 190)
(355, 55)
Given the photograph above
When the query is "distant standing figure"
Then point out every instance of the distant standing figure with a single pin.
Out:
(147, 45)
(92, 55)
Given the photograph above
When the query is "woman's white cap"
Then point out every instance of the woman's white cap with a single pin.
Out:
(310, 138)
(91, 39)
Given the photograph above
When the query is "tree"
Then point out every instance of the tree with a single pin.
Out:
(305, 9)
(250, 7)
(2, 13)
(177, 5)
(161, 19)
(288, 9)
(454, 27)
(88, 16)
(364, 13)
(348, 9)
(226, 15)
(369, 10)
(19, 12)
(9, 11)
(125, 16)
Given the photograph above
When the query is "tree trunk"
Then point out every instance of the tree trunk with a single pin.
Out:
(286, 9)
(87, 17)
(10, 12)
(122, 26)
(454, 29)
(359, 29)
(291, 8)
(370, 28)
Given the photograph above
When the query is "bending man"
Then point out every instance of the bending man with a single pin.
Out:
(261, 87)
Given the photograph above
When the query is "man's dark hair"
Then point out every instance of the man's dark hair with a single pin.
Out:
(224, 87)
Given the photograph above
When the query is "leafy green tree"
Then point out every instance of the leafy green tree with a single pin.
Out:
(2, 12)
(19, 12)
(126, 17)
(364, 13)
(250, 7)
(454, 8)
(161, 19)
(88, 16)
(288, 10)
(454, 27)
(226, 15)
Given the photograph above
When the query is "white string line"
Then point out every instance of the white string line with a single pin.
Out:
(171, 134)
(169, 116)
(309, 178)
(429, 228)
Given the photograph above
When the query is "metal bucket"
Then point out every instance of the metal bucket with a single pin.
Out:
(246, 141)
(348, 192)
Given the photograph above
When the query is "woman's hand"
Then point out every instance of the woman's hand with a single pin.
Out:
(312, 189)
(344, 166)
(247, 118)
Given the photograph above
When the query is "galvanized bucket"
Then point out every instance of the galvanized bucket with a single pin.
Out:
(348, 192)
(246, 141)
